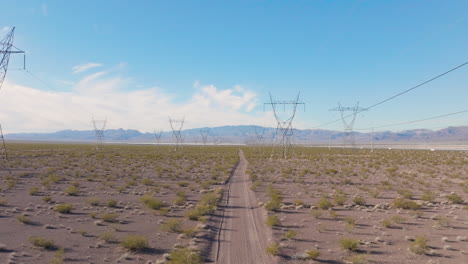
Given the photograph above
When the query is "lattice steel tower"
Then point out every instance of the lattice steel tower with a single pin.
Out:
(348, 124)
(284, 128)
(6, 49)
(176, 126)
(99, 127)
(204, 135)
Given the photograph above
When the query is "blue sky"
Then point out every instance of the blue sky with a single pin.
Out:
(214, 62)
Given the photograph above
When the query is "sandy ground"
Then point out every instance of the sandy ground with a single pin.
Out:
(244, 236)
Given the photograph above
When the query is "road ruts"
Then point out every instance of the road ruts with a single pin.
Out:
(243, 235)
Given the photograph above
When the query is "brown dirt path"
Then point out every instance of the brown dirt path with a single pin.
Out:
(243, 235)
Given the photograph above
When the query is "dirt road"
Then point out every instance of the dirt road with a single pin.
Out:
(243, 235)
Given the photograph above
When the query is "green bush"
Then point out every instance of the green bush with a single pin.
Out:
(290, 234)
(349, 244)
(184, 256)
(152, 202)
(419, 245)
(42, 242)
(134, 243)
(24, 219)
(272, 205)
(93, 201)
(111, 203)
(324, 203)
(33, 190)
(359, 200)
(108, 217)
(428, 196)
(272, 220)
(273, 249)
(405, 204)
(172, 225)
(455, 198)
(64, 208)
(340, 199)
(312, 254)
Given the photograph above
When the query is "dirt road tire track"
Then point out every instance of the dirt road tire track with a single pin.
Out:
(243, 236)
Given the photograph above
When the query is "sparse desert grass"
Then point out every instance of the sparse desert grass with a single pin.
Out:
(455, 198)
(273, 249)
(134, 242)
(312, 254)
(33, 190)
(172, 225)
(43, 243)
(93, 201)
(108, 236)
(184, 256)
(349, 244)
(324, 203)
(152, 202)
(419, 245)
(272, 220)
(64, 208)
(404, 203)
(111, 203)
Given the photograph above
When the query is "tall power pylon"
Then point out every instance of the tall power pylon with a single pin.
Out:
(204, 132)
(157, 136)
(176, 126)
(6, 49)
(99, 127)
(284, 128)
(348, 124)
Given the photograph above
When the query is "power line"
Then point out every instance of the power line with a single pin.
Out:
(401, 93)
(417, 121)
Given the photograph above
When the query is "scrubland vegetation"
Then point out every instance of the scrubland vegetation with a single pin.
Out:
(132, 204)
(354, 206)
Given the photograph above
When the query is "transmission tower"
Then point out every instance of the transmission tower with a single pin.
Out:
(157, 136)
(6, 49)
(348, 123)
(176, 126)
(99, 126)
(284, 128)
(204, 134)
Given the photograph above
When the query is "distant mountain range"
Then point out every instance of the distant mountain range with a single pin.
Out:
(246, 134)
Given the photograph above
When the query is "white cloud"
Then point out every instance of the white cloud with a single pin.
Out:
(103, 94)
(85, 67)
(5, 29)
(44, 9)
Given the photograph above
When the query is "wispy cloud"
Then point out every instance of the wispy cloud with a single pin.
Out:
(44, 9)
(106, 93)
(85, 67)
(5, 29)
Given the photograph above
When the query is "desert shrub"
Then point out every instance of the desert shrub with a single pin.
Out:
(46, 199)
(134, 243)
(152, 202)
(147, 182)
(298, 202)
(357, 259)
(172, 225)
(58, 257)
(206, 205)
(316, 213)
(93, 201)
(111, 203)
(405, 193)
(108, 237)
(324, 203)
(64, 208)
(312, 254)
(181, 198)
(24, 219)
(273, 249)
(428, 196)
(184, 256)
(183, 184)
(273, 205)
(455, 198)
(419, 245)
(72, 190)
(108, 217)
(290, 234)
(387, 223)
(272, 220)
(42, 242)
(349, 244)
(3, 202)
(190, 232)
(405, 204)
(359, 200)
(340, 199)
(33, 190)
(54, 178)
